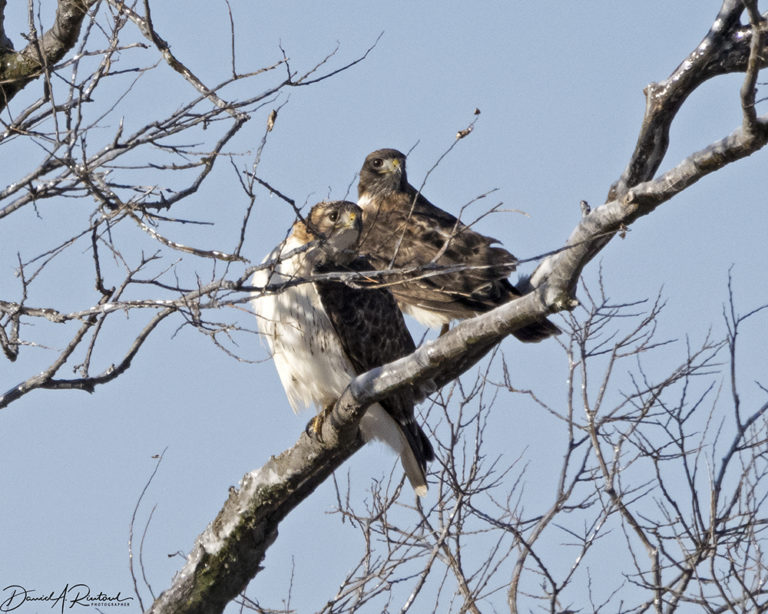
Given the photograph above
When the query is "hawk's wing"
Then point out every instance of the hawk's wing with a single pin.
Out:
(399, 233)
(367, 320)
(372, 332)
(394, 235)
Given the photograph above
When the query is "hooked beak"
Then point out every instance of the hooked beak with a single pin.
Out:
(352, 221)
(393, 166)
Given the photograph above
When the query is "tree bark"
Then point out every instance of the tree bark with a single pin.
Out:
(19, 68)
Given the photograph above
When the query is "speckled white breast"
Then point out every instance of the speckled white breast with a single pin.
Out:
(312, 365)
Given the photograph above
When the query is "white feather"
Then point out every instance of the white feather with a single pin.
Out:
(364, 201)
(425, 316)
(378, 424)
(311, 364)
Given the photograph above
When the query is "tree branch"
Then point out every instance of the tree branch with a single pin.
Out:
(17, 69)
(230, 550)
(726, 48)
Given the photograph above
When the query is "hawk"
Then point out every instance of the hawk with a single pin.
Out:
(403, 229)
(324, 333)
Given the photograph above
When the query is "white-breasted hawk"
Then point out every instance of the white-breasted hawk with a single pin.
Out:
(323, 333)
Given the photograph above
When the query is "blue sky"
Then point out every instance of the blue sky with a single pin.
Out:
(560, 94)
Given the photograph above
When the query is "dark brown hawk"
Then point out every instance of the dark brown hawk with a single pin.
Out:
(403, 229)
(324, 333)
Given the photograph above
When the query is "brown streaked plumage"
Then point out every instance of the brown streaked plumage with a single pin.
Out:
(402, 229)
(324, 333)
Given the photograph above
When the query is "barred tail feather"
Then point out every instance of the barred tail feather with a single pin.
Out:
(414, 471)
(411, 445)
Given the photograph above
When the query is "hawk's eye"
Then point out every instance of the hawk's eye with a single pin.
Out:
(333, 216)
(377, 162)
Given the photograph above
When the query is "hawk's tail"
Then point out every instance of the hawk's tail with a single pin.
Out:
(416, 453)
(408, 440)
(537, 331)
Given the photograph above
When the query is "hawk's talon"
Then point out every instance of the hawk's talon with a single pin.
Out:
(314, 427)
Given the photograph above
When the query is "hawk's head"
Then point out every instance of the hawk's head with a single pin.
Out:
(336, 225)
(383, 171)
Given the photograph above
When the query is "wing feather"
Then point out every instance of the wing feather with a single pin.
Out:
(372, 332)
(403, 229)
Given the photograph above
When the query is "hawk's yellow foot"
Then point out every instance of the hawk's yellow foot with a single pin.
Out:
(315, 426)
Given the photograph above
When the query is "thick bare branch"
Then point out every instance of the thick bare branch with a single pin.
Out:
(562, 270)
(726, 48)
(17, 69)
(230, 551)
